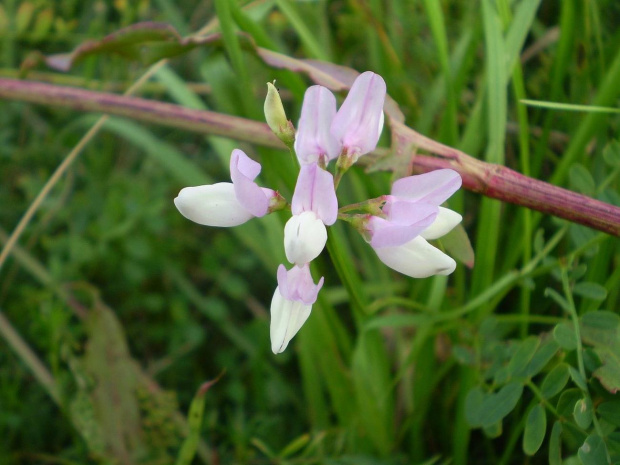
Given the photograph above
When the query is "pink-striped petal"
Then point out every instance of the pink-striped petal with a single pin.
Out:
(359, 121)
(297, 284)
(314, 141)
(243, 171)
(315, 192)
(434, 187)
(406, 221)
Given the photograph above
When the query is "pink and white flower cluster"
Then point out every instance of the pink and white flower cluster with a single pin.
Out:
(407, 218)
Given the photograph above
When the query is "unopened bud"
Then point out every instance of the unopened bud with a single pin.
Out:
(276, 117)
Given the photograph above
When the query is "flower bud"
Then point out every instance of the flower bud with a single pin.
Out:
(276, 116)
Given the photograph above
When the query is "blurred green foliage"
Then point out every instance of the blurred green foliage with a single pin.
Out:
(131, 308)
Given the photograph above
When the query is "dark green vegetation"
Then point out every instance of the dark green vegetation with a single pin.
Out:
(114, 309)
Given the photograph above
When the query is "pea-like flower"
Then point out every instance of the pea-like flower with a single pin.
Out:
(411, 215)
(228, 204)
(397, 226)
(291, 304)
(314, 206)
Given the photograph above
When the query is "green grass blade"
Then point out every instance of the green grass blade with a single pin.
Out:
(569, 106)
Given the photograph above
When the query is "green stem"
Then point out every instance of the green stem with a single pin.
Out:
(575, 319)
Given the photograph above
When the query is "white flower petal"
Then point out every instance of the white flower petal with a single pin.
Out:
(305, 236)
(212, 205)
(416, 258)
(443, 224)
(287, 317)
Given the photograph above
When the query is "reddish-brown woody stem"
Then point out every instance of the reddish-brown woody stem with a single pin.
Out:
(493, 181)
(507, 185)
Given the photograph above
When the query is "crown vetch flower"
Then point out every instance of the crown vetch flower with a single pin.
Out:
(291, 304)
(314, 142)
(228, 204)
(359, 121)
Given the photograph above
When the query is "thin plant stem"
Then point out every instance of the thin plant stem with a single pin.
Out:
(27, 355)
(580, 364)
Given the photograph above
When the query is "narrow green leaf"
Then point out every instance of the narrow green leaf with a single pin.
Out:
(233, 48)
(308, 38)
(608, 91)
(600, 320)
(602, 330)
(167, 155)
(582, 413)
(295, 445)
(196, 412)
(436, 20)
(570, 106)
(559, 299)
(567, 401)
(555, 444)
(473, 406)
(610, 412)
(535, 429)
(577, 379)
(555, 381)
(23, 16)
(458, 246)
(609, 373)
(370, 372)
(526, 350)
(564, 334)
(589, 290)
(542, 356)
(520, 26)
(611, 153)
(593, 451)
(581, 179)
(493, 431)
(496, 406)
(400, 320)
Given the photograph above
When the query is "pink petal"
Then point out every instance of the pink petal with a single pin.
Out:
(406, 221)
(244, 165)
(359, 121)
(243, 171)
(315, 192)
(296, 284)
(314, 140)
(434, 187)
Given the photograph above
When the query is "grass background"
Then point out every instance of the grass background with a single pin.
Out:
(115, 308)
